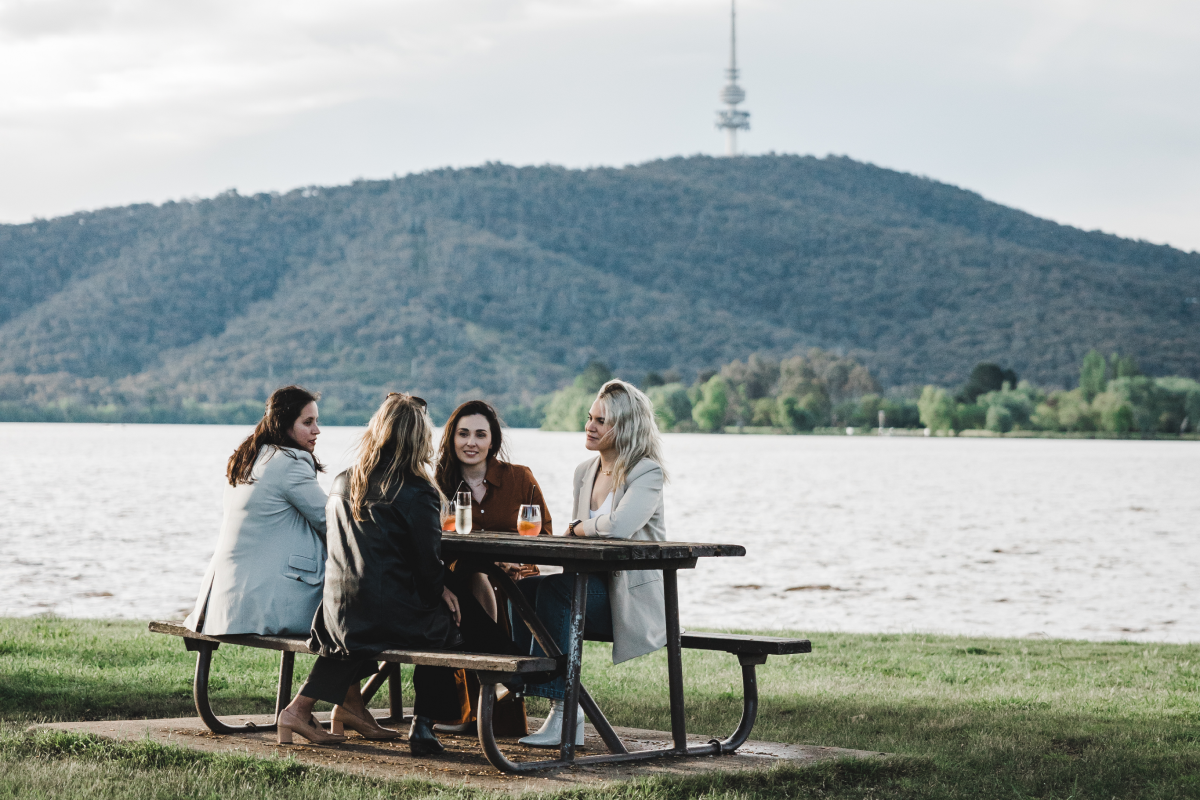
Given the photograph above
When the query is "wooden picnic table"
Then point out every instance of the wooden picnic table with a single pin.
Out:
(584, 556)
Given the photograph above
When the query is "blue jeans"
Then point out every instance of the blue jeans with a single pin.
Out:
(550, 595)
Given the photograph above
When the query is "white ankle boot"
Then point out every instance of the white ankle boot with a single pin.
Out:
(550, 734)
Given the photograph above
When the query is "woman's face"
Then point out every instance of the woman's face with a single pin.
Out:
(304, 430)
(597, 428)
(472, 439)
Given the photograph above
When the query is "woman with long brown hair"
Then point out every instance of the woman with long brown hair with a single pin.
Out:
(266, 573)
(472, 458)
(385, 587)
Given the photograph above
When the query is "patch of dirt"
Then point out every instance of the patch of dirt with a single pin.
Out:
(463, 762)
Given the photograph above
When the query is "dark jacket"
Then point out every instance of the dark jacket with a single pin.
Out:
(383, 576)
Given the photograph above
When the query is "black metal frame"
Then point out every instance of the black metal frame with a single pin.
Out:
(578, 695)
(390, 671)
(571, 665)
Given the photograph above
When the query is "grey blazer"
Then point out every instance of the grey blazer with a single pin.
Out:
(268, 570)
(636, 596)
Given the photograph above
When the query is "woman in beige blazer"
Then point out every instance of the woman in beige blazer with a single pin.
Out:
(617, 495)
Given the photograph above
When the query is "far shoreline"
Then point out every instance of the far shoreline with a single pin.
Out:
(730, 430)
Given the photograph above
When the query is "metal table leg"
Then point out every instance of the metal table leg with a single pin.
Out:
(574, 664)
(675, 660)
(529, 616)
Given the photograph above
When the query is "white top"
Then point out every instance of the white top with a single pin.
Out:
(605, 507)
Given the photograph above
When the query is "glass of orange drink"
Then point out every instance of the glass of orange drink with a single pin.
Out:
(529, 520)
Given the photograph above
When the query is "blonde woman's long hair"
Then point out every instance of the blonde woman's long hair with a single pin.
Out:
(634, 432)
(401, 426)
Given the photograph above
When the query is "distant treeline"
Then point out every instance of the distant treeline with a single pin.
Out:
(823, 390)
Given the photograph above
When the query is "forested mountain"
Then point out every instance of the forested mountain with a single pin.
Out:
(505, 282)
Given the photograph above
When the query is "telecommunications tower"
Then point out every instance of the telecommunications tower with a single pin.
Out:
(732, 120)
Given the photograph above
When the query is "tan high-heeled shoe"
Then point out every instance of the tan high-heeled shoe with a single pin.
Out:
(343, 718)
(308, 729)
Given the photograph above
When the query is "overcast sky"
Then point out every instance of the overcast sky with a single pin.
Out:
(1083, 112)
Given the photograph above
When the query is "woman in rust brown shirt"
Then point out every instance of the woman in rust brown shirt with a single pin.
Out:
(472, 458)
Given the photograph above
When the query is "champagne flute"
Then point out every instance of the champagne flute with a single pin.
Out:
(529, 520)
(462, 512)
(447, 514)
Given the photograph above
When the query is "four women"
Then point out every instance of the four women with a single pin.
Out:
(384, 583)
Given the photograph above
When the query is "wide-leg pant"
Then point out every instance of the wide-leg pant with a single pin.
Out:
(550, 596)
(435, 687)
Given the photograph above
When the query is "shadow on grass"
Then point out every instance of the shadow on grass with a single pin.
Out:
(147, 762)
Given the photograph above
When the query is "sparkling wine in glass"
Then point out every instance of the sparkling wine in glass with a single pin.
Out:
(529, 520)
(462, 512)
(447, 515)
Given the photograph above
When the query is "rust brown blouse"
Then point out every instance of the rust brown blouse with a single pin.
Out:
(509, 486)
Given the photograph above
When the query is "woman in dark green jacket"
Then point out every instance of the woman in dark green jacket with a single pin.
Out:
(384, 586)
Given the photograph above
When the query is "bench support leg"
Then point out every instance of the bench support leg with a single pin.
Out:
(283, 695)
(390, 672)
(200, 693)
(749, 705)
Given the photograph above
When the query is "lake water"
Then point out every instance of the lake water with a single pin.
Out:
(1013, 537)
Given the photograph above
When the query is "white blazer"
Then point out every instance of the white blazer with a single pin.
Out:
(636, 596)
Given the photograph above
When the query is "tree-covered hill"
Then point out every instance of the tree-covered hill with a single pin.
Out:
(505, 282)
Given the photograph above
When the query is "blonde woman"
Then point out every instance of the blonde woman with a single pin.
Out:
(384, 586)
(617, 495)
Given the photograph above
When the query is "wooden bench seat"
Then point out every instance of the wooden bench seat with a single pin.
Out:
(520, 665)
(750, 651)
(495, 667)
(738, 644)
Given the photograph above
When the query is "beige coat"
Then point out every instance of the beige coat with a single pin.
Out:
(636, 596)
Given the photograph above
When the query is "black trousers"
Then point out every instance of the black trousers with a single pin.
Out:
(435, 688)
(331, 677)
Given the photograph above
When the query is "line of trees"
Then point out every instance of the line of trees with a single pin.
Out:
(824, 390)
(799, 393)
(1112, 396)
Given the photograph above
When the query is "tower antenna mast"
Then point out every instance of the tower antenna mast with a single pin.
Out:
(731, 120)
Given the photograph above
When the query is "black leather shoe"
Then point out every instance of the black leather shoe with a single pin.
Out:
(421, 740)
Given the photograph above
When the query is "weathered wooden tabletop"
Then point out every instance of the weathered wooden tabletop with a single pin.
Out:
(584, 553)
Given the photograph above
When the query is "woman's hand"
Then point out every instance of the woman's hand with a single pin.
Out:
(451, 602)
(511, 570)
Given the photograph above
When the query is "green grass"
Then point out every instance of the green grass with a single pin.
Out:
(964, 717)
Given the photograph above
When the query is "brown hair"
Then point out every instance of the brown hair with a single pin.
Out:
(284, 407)
(449, 469)
(399, 438)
